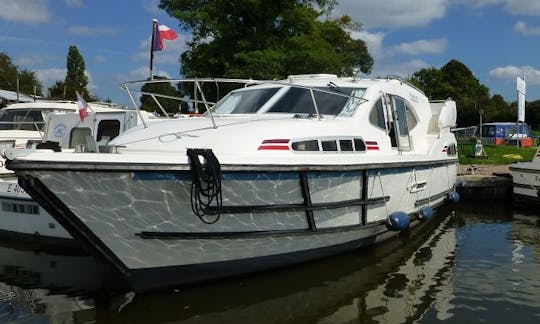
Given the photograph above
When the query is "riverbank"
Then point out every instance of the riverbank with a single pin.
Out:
(484, 182)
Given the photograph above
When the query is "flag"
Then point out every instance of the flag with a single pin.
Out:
(521, 87)
(162, 32)
(82, 105)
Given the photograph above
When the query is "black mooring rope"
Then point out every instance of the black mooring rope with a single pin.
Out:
(206, 196)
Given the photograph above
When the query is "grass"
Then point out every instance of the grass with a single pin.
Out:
(496, 154)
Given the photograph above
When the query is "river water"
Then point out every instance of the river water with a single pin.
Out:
(474, 263)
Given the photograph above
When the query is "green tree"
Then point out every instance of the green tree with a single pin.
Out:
(163, 88)
(266, 39)
(57, 91)
(28, 81)
(76, 80)
(457, 81)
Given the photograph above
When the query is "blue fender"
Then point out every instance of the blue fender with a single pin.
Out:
(425, 213)
(453, 197)
(397, 221)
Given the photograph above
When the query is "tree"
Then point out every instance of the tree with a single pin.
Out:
(9, 73)
(457, 81)
(163, 88)
(76, 80)
(266, 39)
(57, 91)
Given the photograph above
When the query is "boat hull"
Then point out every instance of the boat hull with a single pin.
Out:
(141, 221)
(526, 182)
(23, 220)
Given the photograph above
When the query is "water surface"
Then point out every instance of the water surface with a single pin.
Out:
(474, 263)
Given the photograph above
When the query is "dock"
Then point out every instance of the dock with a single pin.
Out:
(484, 182)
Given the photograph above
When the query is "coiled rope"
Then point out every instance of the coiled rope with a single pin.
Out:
(206, 196)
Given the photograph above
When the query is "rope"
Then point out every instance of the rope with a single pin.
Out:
(205, 184)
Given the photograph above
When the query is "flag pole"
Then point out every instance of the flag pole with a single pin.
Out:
(154, 26)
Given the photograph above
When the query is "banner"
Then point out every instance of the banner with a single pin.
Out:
(521, 90)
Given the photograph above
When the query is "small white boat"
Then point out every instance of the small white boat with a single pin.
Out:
(526, 180)
(28, 124)
(279, 172)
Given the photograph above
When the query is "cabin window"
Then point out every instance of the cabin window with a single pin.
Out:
(312, 145)
(329, 145)
(359, 145)
(376, 116)
(23, 119)
(346, 145)
(300, 101)
(21, 208)
(78, 136)
(245, 102)
(108, 128)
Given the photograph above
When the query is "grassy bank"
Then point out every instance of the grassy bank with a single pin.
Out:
(496, 154)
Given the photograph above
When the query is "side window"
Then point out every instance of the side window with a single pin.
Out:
(401, 111)
(411, 119)
(78, 136)
(376, 116)
(109, 128)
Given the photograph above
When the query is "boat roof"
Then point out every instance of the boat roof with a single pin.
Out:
(62, 105)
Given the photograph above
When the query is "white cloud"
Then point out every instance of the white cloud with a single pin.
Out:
(92, 31)
(48, 77)
(393, 13)
(510, 72)
(100, 58)
(523, 7)
(401, 69)
(170, 55)
(374, 42)
(524, 29)
(25, 11)
(423, 46)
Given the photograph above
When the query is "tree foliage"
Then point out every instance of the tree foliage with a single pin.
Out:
(163, 88)
(9, 72)
(266, 39)
(75, 80)
(457, 81)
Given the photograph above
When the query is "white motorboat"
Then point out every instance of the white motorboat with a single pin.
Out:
(526, 180)
(28, 124)
(275, 173)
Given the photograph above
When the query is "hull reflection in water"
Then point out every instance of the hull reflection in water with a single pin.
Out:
(49, 286)
(407, 276)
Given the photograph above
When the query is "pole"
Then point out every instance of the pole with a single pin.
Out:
(17, 85)
(152, 40)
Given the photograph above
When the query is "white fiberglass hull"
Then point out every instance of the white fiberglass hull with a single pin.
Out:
(22, 219)
(141, 219)
(526, 181)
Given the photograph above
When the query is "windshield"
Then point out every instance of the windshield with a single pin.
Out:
(330, 101)
(23, 119)
(245, 101)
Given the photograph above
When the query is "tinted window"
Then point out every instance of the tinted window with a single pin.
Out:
(299, 100)
(244, 102)
(376, 116)
(109, 128)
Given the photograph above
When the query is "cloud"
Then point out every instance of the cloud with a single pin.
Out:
(31, 12)
(423, 46)
(169, 56)
(48, 78)
(152, 6)
(393, 13)
(510, 72)
(374, 42)
(402, 69)
(92, 31)
(521, 7)
(100, 58)
(522, 28)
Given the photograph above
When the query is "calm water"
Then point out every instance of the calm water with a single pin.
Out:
(476, 264)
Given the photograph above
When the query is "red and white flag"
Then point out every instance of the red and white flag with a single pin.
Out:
(82, 105)
(162, 32)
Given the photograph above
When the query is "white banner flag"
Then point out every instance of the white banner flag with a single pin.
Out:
(521, 87)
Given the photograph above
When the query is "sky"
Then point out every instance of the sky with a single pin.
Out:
(498, 40)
